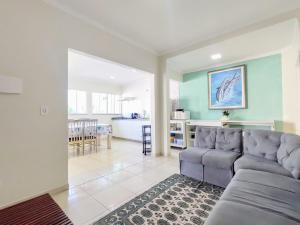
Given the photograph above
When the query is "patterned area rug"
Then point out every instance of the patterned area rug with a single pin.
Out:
(178, 200)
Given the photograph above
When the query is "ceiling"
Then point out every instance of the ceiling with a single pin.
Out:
(166, 25)
(266, 41)
(92, 68)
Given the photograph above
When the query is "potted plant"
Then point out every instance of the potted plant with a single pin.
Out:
(225, 116)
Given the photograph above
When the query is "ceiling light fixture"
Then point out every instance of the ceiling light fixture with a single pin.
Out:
(112, 77)
(216, 56)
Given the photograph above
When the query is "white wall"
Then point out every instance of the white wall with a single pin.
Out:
(173, 74)
(174, 94)
(291, 84)
(93, 85)
(34, 47)
(90, 86)
(141, 91)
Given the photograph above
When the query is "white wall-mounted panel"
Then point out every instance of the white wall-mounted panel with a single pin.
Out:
(10, 85)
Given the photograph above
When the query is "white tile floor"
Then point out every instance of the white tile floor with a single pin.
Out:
(100, 182)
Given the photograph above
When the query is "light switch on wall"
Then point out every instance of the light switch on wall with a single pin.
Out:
(44, 110)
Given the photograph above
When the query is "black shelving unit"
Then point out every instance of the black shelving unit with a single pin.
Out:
(147, 146)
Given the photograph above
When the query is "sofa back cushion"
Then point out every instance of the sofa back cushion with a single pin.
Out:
(262, 143)
(229, 139)
(205, 137)
(288, 155)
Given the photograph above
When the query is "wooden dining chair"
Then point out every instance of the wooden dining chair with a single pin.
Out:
(75, 133)
(90, 133)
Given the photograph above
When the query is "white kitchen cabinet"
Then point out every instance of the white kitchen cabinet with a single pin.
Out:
(130, 129)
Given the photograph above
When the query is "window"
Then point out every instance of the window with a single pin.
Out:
(106, 103)
(99, 103)
(118, 103)
(76, 102)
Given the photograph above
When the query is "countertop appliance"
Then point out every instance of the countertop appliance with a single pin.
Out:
(180, 114)
(134, 115)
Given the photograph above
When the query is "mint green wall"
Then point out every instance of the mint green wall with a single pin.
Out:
(263, 88)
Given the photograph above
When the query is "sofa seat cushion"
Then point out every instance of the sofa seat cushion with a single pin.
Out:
(261, 164)
(264, 195)
(234, 213)
(193, 155)
(220, 159)
(258, 198)
(273, 180)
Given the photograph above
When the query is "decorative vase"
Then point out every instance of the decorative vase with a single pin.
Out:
(225, 118)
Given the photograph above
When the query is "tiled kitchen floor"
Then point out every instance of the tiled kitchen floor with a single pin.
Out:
(100, 182)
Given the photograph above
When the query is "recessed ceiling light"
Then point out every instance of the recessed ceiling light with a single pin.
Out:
(112, 77)
(216, 56)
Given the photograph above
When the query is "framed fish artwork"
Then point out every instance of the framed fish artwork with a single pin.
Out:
(227, 88)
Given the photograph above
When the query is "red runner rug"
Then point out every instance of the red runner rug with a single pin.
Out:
(42, 210)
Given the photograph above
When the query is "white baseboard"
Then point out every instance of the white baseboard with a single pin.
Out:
(52, 192)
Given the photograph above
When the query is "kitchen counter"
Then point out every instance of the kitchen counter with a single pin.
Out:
(130, 129)
(126, 118)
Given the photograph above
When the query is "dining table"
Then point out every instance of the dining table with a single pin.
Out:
(106, 131)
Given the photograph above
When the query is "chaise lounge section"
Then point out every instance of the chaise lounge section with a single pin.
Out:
(258, 198)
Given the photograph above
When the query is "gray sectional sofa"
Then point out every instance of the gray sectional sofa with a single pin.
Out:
(260, 170)
(213, 156)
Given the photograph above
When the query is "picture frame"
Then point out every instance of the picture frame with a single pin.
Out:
(226, 88)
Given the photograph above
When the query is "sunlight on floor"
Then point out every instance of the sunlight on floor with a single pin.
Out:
(103, 180)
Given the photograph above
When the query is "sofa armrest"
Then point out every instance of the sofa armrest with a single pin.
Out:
(288, 155)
